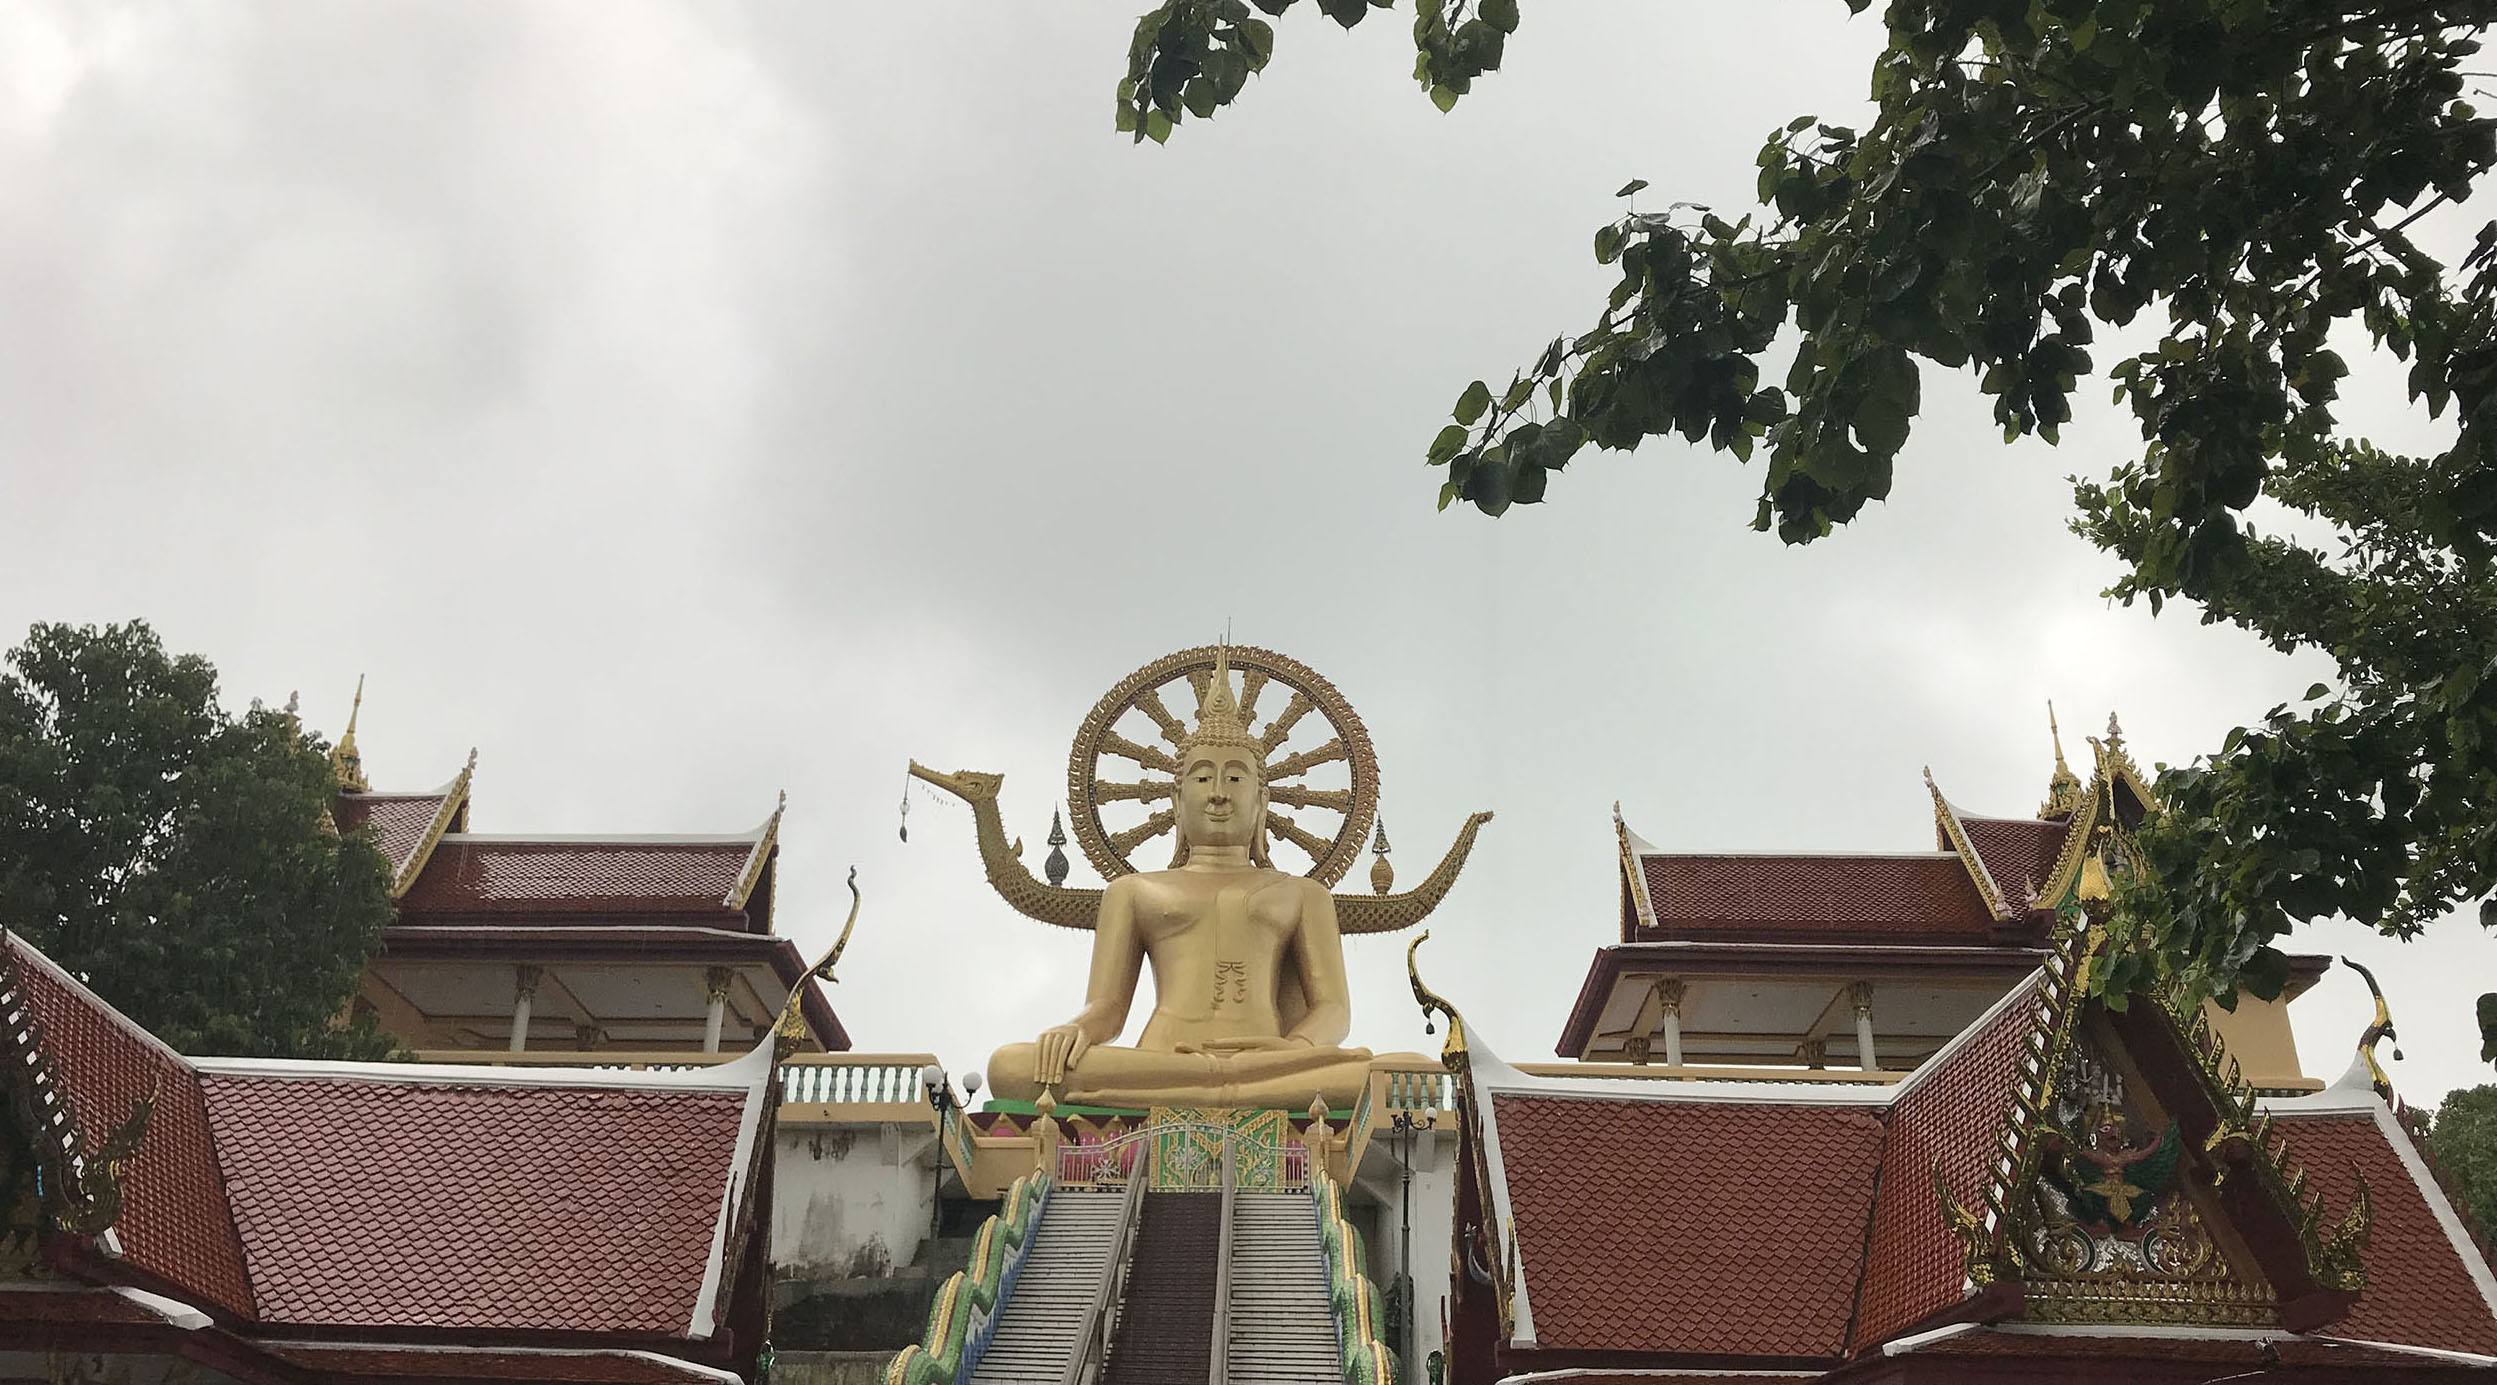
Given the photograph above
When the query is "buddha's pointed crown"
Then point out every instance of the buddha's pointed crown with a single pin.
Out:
(1219, 724)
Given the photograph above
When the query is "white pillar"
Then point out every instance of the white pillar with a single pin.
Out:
(524, 990)
(1862, 994)
(1669, 1016)
(715, 983)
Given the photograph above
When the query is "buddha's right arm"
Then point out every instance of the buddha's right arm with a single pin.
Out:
(1117, 964)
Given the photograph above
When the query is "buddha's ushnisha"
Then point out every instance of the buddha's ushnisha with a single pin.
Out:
(1250, 1004)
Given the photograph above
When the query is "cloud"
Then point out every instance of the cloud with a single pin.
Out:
(684, 403)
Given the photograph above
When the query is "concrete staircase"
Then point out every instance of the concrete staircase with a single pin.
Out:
(1166, 1325)
(1041, 1314)
(1282, 1324)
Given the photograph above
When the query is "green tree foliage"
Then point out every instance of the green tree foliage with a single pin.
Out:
(2233, 179)
(2465, 1140)
(178, 859)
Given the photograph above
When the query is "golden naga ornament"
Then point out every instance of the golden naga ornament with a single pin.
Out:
(1320, 768)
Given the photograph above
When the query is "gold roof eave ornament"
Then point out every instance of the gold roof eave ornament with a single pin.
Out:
(1452, 1051)
(2378, 1029)
(790, 1030)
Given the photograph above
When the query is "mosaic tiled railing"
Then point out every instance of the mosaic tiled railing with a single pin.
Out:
(963, 1318)
(1359, 1318)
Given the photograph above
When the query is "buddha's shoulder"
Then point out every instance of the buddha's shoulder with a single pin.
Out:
(1262, 878)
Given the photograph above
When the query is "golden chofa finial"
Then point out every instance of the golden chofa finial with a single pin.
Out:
(1382, 875)
(1451, 1053)
(2378, 1029)
(790, 1031)
(346, 763)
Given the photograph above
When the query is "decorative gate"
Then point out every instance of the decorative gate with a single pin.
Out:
(1181, 1155)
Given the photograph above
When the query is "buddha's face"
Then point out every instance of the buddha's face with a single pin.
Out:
(1222, 798)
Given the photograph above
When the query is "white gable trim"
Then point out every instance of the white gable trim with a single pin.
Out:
(755, 1071)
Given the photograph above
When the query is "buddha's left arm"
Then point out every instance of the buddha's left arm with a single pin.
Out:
(1319, 949)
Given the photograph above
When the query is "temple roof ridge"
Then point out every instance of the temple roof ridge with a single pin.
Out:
(1955, 832)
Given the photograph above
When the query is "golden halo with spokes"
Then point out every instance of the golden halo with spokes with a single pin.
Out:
(1321, 799)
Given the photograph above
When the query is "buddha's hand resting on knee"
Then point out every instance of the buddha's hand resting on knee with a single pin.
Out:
(1057, 1051)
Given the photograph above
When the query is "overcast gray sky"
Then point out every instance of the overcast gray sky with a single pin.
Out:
(683, 403)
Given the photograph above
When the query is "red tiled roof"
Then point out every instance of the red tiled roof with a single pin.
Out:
(401, 1203)
(2018, 852)
(485, 1363)
(1698, 1228)
(468, 876)
(2419, 1288)
(399, 821)
(175, 1223)
(1795, 897)
(1951, 1111)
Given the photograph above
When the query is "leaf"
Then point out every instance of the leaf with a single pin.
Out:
(1470, 405)
(1156, 127)
(1450, 440)
(1500, 15)
(1260, 37)
(1443, 98)
(1634, 185)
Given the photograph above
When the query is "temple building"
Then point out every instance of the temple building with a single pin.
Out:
(1860, 1117)
(539, 942)
(1812, 1117)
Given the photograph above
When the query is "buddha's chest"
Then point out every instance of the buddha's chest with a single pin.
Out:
(1239, 915)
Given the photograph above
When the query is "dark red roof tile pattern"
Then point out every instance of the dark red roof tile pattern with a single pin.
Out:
(399, 821)
(1811, 897)
(1730, 1229)
(174, 1224)
(373, 1203)
(470, 877)
(2419, 1289)
(1952, 1111)
(604, 1367)
(2018, 852)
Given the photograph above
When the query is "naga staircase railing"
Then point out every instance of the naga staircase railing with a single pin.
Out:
(1365, 1357)
(963, 1319)
(1092, 1335)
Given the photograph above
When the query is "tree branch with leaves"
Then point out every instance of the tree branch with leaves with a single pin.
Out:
(2245, 174)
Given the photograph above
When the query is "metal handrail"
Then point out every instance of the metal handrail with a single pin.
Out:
(1221, 1356)
(1092, 1335)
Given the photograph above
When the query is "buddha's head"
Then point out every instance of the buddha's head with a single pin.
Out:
(1221, 795)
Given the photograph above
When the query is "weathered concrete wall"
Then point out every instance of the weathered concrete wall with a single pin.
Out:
(848, 1201)
(829, 1367)
(1433, 1211)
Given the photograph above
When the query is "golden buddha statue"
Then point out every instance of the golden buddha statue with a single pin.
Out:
(1251, 1004)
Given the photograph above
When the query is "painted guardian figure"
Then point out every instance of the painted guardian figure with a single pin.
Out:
(1251, 1007)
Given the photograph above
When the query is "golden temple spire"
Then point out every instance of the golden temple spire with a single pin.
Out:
(345, 761)
(2063, 787)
